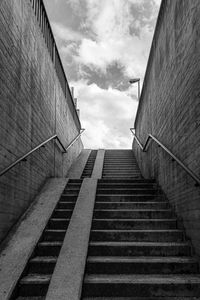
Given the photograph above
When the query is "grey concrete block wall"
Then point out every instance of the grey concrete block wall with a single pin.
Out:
(170, 109)
(32, 109)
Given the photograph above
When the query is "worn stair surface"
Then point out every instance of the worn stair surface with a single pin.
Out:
(33, 284)
(136, 250)
(87, 172)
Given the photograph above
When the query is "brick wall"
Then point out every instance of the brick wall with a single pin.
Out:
(170, 109)
(32, 108)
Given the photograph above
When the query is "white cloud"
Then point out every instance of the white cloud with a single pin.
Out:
(107, 116)
(111, 21)
(66, 34)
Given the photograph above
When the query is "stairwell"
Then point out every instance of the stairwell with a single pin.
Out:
(136, 248)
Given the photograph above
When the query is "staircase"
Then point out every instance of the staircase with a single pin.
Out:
(87, 172)
(136, 249)
(120, 164)
(36, 277)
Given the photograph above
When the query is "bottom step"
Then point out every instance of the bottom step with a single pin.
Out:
(142, 286)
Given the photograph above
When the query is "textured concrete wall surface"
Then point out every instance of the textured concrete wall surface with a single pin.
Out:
(170, 109)
(32, 108)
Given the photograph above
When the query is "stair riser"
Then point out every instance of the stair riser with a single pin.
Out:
(47, 251)
(129, 205)
(54, 236)
(71, 192)
(137, 236)
(68, 198)
(127, 191)
(139, 251)
(58, 224)
(132, 214)
(41, 268)
(141, 268)
(62, 214)
(127, 185)
(127, 198)
(125, 181)
(133, 225)
(33, 290)
(65, 205)
(142, 290)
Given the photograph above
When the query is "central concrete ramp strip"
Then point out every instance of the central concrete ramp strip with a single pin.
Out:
(77, 168)
(66, 282)
(98, 166)
(17, 251)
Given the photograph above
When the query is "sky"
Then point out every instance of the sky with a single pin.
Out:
(103, 44)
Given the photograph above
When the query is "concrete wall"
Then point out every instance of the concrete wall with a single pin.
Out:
(32, 108)
(170, 109)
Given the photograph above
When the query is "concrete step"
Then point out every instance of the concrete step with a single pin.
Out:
(131, 214)
(126, 181)
(139, 298)
(129, 198)
(126, 185)
(54, 235)
(127, 205)
(48, 248)
(115, 176)
(42, 265)
(133, 224)
(65, 205)
(34, 285)
(62, 213)
(58, 223)
(68, 198)
(124, 191)
(141, 265)
(124, 248)
(137, 235)
(141, 285)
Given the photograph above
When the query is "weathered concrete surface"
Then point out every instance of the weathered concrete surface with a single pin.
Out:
(169, 109)
(98, 166)
(66, 282)
(33, 107)
(20, 243)
(78, 166)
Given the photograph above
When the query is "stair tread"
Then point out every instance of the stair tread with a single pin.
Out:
(141, 298)
(143, 278)
(129, 243)
(142, 259)
(132, 210)
(46, 259)
(137, 220)
(137, 230)
(56, 243)
(36, 279)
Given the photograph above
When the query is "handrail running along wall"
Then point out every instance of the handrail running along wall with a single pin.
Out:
(53, 137)
(174, 157)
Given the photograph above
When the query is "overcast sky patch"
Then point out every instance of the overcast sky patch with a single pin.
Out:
(102, 44)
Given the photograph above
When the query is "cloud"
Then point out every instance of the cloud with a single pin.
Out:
(111, 22)
(65, 33)
(107, 115)
(103, 44)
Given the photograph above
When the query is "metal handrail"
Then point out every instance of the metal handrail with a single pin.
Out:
(174, 157)
(53, 137)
